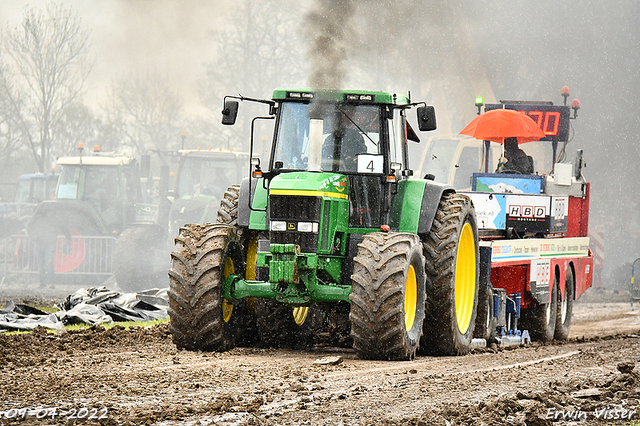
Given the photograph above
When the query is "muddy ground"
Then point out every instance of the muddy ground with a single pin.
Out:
(138, 377)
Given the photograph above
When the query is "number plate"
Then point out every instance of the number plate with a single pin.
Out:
(368, 163)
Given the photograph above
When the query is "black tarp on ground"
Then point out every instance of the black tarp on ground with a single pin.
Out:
(94, 305)
(16, 317)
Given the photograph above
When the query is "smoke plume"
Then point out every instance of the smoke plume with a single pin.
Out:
(328, 34)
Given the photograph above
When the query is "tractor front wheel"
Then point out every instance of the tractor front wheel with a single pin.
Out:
(388, 296)
(201, 318)
(451, 251)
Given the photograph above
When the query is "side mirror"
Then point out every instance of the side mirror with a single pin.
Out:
(426, 118)
(577, 166)
(229, 113)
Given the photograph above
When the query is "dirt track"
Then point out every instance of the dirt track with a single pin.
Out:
(138, 377)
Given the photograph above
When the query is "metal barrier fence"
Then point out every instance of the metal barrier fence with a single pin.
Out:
(84, 256)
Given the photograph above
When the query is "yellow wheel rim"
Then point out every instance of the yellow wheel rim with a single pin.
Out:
(250, 274)
(252, 258)
(465, 281)
(300, 314)
(227, 308)
(410, 298)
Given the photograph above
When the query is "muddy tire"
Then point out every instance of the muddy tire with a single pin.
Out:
(282, 326)
(485, 321)
(451, 252)
(228, 212)
(200, 317)
(540, 320)
(388, 296)
(565, 308)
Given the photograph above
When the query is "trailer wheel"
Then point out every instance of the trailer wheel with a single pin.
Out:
(541, 320)
(388, 296)
(451, 252)
(485, 328)
(200, 317)
(565, 308)
(228, 212)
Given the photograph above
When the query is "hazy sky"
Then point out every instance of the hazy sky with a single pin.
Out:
(167, 35)
(446, 52)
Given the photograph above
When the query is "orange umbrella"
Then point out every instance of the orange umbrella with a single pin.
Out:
(498, 124)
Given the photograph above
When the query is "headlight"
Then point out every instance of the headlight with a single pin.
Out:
(307, 227)
(278, 225)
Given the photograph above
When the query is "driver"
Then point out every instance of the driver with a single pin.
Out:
(352, 145)
(515, 160)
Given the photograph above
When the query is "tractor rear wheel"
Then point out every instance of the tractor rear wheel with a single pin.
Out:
(228, 212)
(451, 252)
(541, 320)
(388, 296)
(201, 318)
(565, 308)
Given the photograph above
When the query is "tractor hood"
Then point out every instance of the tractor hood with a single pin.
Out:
(311, 184)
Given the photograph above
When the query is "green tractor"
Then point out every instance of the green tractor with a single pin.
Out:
(201, 180)
(333, 237)
(102, 221)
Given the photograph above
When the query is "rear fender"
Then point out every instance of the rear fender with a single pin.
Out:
(68, 210)
(256, 218)
(414, 206)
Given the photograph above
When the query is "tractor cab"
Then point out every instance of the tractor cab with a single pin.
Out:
(201, 180)
(106, 186)
(355, 146)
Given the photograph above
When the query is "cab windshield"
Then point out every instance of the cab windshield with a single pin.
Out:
(207, 177)
(453, 161)
(35, 190)
(348, 131)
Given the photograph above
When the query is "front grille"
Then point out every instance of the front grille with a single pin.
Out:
(298, 208)
(294, 209)
(308, 241)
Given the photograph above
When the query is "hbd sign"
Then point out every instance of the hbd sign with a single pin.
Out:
(528, 213)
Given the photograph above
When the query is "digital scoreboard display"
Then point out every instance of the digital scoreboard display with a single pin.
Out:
(552, 119)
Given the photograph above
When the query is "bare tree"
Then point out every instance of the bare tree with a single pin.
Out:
(77, 124)
(9, 130)
(257, 52)
(145, 111)
(47, 55)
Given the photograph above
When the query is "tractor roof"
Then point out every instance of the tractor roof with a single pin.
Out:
(213, 153)
(91, 160)
(354, 96)
(30, 176)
